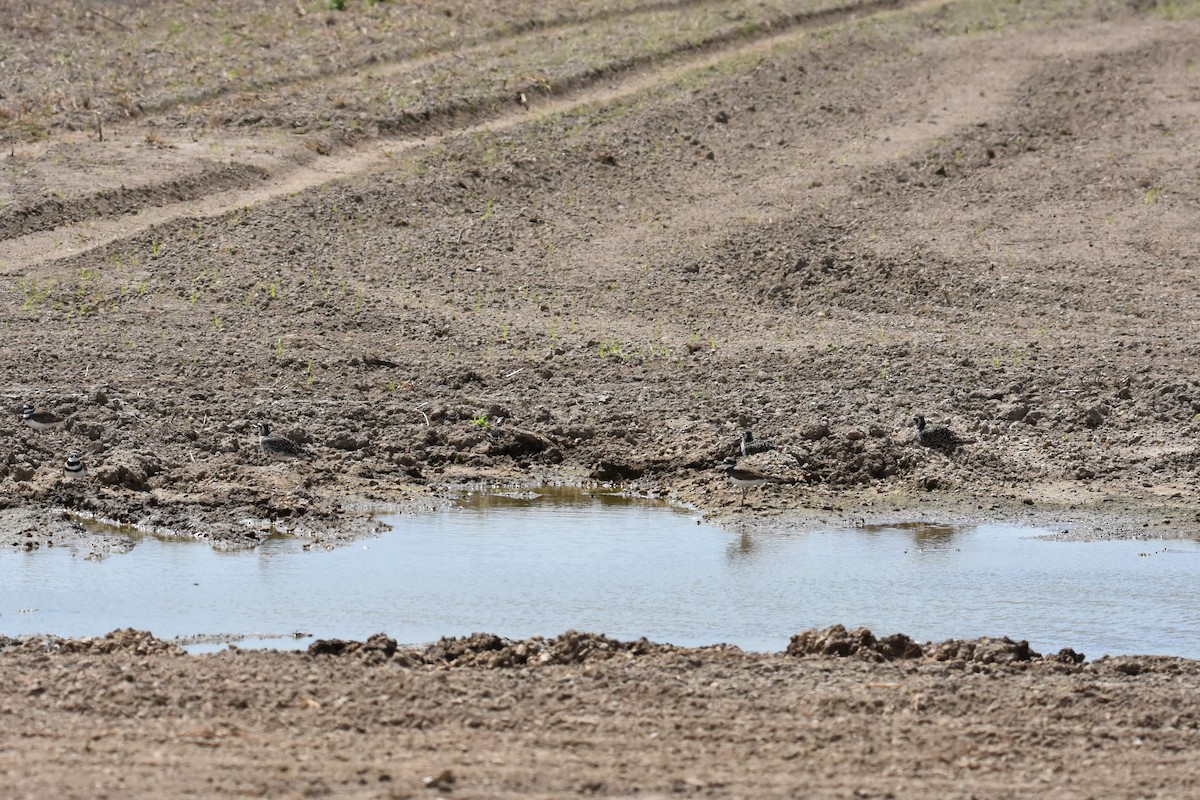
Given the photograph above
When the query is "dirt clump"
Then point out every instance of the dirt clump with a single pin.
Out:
(489, 651)
(125, 640)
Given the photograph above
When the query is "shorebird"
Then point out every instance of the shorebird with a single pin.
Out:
(747, 478)
(936, 436)
(74, 470)
(750, 446)
(39, 420)
(276, 447)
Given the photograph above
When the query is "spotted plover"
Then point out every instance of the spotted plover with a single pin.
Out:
(750, 446)
(39, 420)
(276, 447)
(747, 478)
(74, 469)
(936, 436)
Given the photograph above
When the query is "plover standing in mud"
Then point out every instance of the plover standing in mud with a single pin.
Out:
(937, 436)
(750, 446)
(74, 469)
(747, 478)
(39, 420)
(276, 447)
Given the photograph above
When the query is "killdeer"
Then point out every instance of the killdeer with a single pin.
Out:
(276, 447)
(74, 470)
(750, 446)
(39, 420)
(747, 478)
(936, 436)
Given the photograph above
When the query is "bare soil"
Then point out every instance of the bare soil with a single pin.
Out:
(581, 715)
(451, 242)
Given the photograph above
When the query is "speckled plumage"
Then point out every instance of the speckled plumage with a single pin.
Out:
(278, 448)
(750, 446)
(937, 437)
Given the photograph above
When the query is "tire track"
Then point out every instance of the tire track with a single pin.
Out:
(471, 96)
(639, 75)
(507, 30)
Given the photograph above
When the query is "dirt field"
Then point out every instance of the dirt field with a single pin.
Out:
(586, 716)
(451, 242)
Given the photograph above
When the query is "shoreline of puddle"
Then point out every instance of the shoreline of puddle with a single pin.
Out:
(741, 532)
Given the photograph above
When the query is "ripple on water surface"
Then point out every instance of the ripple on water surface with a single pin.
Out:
(542, 562)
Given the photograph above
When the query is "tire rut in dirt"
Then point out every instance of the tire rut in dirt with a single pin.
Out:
(456, 112)
(53, 213)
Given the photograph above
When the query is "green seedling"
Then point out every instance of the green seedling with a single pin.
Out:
(612, 347)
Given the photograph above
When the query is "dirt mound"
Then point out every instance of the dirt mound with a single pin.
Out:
(987, 650)
(492, 652)
(860, 643)
(125, 640)
(489, 651)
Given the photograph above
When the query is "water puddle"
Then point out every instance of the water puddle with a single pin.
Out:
(531, 563)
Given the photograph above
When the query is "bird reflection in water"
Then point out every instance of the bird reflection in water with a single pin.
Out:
(927, 536)
(742, 548)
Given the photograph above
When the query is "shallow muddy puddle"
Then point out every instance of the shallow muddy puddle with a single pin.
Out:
(543, 562)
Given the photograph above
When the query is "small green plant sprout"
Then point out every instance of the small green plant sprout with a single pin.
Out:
(1153, 195)
(481, 421)
(279, 347)
(489, 210)
(308, 374)
(612, 347)
(336, 5)
(216, 321)
(155, 247)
